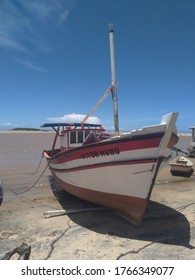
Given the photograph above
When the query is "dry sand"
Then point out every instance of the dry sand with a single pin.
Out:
(167, 232)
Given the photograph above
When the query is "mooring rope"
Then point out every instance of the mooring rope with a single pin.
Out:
(34, 174)
(179, 150)
(38, 165)
(34, 183)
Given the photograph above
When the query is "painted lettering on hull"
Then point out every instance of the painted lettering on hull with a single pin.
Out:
(100, 153)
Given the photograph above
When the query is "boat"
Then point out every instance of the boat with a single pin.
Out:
(118, 172)
(115, 171)
(191, 146)
(181, 166)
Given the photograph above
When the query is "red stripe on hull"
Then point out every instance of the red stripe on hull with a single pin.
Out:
(129, 207)
(98, 165)
(98, 149)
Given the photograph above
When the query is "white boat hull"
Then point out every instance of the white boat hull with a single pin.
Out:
(118, 173)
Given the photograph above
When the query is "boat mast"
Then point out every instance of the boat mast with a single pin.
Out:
(114, 84)
(112, 88)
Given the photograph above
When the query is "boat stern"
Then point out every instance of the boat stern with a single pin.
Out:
(170, 138)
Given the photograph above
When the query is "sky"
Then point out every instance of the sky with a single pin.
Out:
(55, 61)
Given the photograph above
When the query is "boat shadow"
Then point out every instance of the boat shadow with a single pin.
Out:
(161, 224)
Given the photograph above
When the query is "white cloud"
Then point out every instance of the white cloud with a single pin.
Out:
(63, 16)
(12, 22)
(52, 10)
(9, 125)
(24, 25)
(75, 118)
(18, 21)
(7, 42)
(30, 65)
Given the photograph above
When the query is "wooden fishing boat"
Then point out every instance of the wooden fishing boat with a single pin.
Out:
(181, 166)
(115, 171)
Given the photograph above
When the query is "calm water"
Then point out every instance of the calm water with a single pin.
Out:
(20, 154)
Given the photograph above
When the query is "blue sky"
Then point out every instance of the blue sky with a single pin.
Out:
(55, 61)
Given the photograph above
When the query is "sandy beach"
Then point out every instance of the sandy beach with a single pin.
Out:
(167, 232)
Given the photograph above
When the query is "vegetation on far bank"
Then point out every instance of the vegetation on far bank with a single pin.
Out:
(25, 129)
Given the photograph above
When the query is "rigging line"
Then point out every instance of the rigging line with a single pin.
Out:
(33, 184)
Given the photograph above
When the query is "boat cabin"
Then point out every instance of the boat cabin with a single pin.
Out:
(75, 134)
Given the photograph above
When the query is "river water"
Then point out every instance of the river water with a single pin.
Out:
(20, 155)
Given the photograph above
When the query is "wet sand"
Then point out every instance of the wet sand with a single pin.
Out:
(167, 232)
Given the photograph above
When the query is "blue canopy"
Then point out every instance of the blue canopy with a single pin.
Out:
(53, 125)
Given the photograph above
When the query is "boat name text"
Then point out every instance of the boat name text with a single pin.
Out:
(101, 153)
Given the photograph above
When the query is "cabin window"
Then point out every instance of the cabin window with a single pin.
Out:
(76, 137)
(73, 137)
(80, 136)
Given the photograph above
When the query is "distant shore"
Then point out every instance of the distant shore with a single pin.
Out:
(184, 134)
(26, 131)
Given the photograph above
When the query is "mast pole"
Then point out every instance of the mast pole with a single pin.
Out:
(114, 84)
